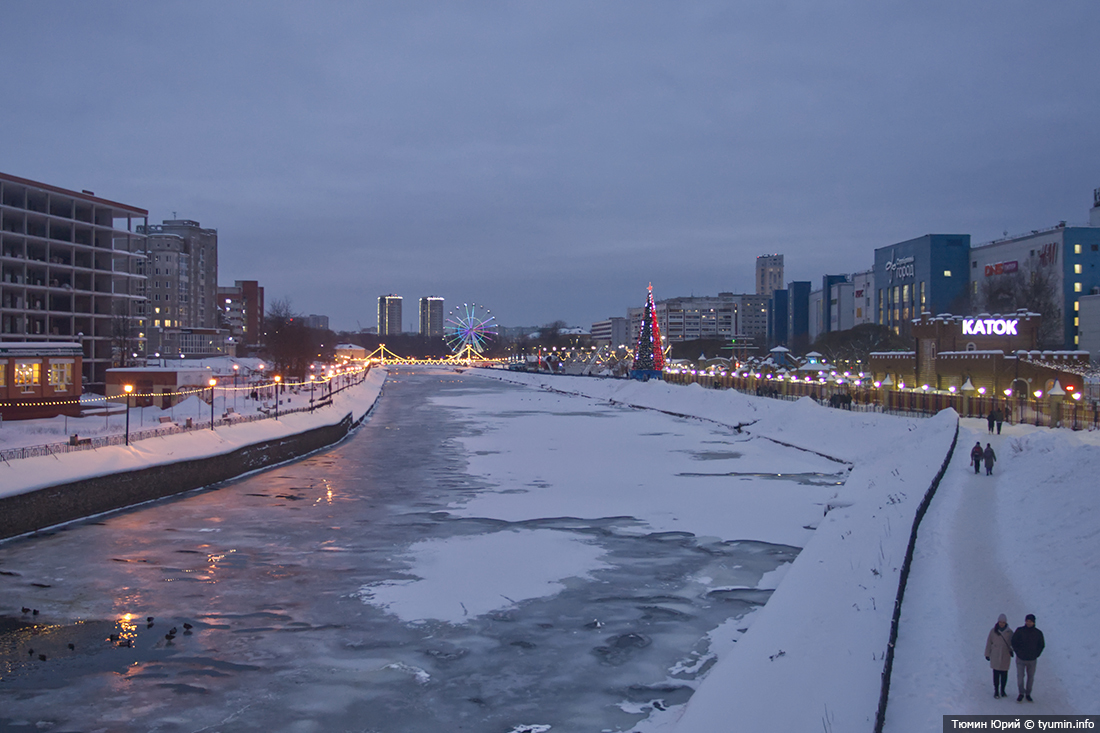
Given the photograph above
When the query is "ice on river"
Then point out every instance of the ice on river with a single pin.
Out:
(479, 556)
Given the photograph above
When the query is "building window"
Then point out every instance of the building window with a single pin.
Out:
(974, 265)
(1076, 249)
(61, 376)
(3, 374)
(1077, 287)
(922, 298)
(28, 375)
(947, 273)
(1076, 269)
(1076, 321)
(1076, 305)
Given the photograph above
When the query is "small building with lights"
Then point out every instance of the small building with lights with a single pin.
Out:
(40, 379)
(991, 354)
(158, 386)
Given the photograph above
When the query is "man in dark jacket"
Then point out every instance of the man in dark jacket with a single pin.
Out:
(1028, 644)
(990, 457)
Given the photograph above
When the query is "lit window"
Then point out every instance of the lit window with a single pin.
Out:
(947, 273)
(156, 323)
(1076, 269)
(3, 374)
(61, 376)
(1076, 249)
(1076, 305)
(1076, 321)
(28, 375)
(1077, 287)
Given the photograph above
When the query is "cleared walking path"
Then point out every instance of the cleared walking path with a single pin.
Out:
(964, 574)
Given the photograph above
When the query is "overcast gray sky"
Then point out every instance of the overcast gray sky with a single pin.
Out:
(550, 159)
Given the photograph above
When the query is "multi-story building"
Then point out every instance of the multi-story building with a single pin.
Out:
(431, 316)
(1063, 260)
(798, 316)
(315, 321)
(769, 274)
(863, 297)
(67, 274)
(928, 273)
(181, 271)
(725, 316)
(389, 315)
(242, 307)
(614, 331)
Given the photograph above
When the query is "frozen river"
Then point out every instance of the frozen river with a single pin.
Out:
(479, 556)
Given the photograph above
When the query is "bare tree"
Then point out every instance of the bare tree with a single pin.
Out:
(1030, 288)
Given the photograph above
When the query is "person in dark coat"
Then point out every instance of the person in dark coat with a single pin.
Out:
(1028, 644)
(998, 652)
(990, 458)
(990, 419)
(1000, 417)
(976, 454)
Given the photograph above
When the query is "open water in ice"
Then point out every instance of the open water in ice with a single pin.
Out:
(238, 608)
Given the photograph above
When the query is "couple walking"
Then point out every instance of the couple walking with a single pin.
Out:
(977, 455)
(1025, 643)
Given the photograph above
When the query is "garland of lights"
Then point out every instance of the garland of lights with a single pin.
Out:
(178, 393)
(649, 356)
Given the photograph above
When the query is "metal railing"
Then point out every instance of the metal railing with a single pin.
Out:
(189, 424)
(1072, 414)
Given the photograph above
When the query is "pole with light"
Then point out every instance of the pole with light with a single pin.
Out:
(236, 369)
(277, 380)
(311, 383)
(212, 382)
(127, 388)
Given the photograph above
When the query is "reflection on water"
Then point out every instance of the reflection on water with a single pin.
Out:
(238, 609)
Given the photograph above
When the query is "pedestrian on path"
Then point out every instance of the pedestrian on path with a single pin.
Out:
(976, 454)
(1028, 644)
(1000, 415)
(990, 420)
(990, 458)
(998, 652)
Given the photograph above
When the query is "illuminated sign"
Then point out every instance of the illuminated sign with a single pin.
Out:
(1001, 268)
(990, 326)
(901, 267)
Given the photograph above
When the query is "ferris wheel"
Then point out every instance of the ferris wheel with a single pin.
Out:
(469, 329)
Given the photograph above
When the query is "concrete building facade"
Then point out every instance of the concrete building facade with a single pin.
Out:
(389, 315)
(431, 316)
(769, 274)
(71, 270)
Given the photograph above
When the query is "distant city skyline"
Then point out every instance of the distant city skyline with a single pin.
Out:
(552, 160)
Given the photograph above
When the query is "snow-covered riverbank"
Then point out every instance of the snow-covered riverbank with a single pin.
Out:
(1035, 522)
(28, 474)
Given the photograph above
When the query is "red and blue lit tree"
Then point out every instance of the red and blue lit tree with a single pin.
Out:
(649, 356)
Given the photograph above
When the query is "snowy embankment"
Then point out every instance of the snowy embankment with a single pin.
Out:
(1024, 540)
(29, 474)
(813, 656)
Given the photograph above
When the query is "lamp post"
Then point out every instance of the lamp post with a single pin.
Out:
(212, 382)
(127, 388)
(311, 383)
(236, 369)
(277, 380)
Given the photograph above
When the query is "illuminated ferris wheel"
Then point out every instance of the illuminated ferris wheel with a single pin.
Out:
(469, 330)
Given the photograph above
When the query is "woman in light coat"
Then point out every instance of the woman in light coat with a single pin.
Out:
(998, 650)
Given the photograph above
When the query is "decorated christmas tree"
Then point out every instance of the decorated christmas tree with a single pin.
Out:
(649, 357)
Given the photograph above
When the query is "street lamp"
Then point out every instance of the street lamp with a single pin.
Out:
(311, 383)
(236, 369)
(127, 388)
(277, 380)
(212, 382)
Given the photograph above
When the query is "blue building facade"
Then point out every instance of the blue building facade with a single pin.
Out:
(929, 273)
